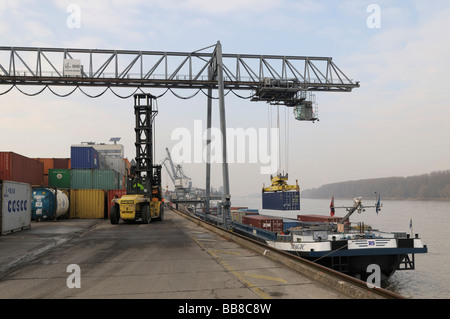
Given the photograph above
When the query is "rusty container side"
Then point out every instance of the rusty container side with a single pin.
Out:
(18, 168)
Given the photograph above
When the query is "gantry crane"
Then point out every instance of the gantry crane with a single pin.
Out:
(276, 79)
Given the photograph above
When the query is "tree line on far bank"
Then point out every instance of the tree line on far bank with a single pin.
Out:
(435, 185)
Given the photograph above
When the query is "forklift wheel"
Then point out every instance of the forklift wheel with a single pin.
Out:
(114, 215)
(146, 216)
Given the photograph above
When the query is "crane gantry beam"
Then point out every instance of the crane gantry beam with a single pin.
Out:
(157, 69)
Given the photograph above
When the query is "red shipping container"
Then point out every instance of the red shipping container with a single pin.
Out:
(319, 218)
(61, 163)
(111, 194)
(48, 164)
(263, 222)
(18, 168)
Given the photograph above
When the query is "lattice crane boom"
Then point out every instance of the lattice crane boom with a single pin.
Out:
(157, 69)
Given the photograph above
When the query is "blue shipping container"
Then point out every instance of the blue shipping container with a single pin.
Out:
(250, 210)
(281, 200)
(290, 223)
(84, 157)
(254, 232)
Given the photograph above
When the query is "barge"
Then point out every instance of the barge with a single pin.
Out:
(333, 242)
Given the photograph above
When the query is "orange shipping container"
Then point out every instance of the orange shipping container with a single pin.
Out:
(52, 163)
(45, 181)
(127, 164)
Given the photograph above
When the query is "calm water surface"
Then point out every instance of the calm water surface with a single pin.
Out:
(430, 219)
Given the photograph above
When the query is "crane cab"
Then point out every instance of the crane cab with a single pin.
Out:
(305, 111)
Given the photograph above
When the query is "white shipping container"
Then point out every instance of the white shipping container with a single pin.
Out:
(115, 163)
(15, 208)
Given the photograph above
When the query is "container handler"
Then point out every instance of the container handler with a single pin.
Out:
(144, 200)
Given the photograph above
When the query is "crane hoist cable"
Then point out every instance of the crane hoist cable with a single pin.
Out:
(286, 138)
(279, 136)
(282, 147)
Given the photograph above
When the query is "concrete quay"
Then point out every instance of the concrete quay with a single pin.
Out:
(179, 258)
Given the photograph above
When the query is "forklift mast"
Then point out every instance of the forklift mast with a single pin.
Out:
(146, 179)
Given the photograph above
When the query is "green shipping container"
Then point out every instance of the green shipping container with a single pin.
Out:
(105, 179)
(81, 178)
(59, 178)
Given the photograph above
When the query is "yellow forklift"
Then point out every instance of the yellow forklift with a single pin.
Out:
(144, 200)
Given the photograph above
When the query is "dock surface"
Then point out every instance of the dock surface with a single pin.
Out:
(170, 259)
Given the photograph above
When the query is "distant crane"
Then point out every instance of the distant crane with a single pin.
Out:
(181, 182)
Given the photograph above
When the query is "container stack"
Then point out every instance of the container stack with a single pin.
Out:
(33, 172)
(90, 169)
(81, 186)
(251, 217)
(92, 180)
(272, 224)
(53, 163)
(237, 214)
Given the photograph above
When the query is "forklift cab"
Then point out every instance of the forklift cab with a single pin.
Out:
(144, 185)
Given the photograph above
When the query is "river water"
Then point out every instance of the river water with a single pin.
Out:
(430, 219)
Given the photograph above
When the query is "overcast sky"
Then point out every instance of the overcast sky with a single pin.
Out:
(395, 124)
